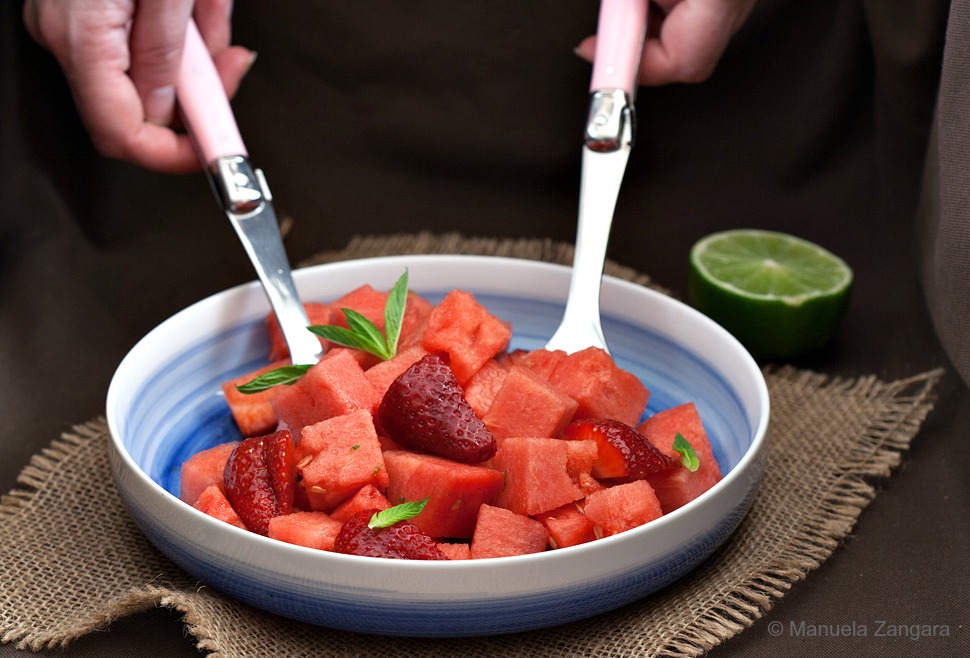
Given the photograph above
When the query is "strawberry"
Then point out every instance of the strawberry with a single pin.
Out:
(401, 541)
(622, 452)
(260, 479)
(425, 410)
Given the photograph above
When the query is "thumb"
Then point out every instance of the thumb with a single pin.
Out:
(157, 37)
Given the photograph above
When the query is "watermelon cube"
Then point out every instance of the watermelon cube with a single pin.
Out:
(542, 361)
(253, 412)
(527, 405)
(310, 529)
(602, 389)
(213, 502)
(678, 487)
(333, 387)
(316, 313)
(622, 507)
(382, 374)
(567, 526)
(456, 551)
(455, 491)
(466, 331)
(416, 314)
(503, 533)
(540, 475)
(367, 497)
(338, 456)
(203, 469)
(480, 389)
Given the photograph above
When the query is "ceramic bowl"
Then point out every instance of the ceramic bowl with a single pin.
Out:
(165, 403)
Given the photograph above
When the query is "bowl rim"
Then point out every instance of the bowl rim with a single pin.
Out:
(301, 275)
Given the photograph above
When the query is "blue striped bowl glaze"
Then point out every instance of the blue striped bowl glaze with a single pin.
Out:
(164, 404)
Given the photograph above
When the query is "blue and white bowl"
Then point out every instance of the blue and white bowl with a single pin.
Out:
(165, 403)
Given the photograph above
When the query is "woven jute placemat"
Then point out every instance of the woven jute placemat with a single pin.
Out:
(828, 438)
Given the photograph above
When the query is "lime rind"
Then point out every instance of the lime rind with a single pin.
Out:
(770, 266)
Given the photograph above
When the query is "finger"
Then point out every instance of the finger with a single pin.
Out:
(233, 64)
(213, 20)
(691, 39)
(157, 36)
(112, 111)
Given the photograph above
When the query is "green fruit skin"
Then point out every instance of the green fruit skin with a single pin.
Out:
(769, 329)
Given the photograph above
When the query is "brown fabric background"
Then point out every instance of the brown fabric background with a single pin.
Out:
(944, 211)
(827, 439)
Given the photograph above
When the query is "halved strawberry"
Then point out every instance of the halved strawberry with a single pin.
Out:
(401, 541)
(424, 410)
(622, 451)
(260, 479)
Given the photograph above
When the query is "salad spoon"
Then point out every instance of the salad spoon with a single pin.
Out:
(608, 139)
(242, 191)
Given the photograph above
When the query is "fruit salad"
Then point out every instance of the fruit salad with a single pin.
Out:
(421, 435)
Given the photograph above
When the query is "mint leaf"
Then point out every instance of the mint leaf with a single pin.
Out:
(403, 512)
(394, 312)
(274, 377)
(687, 454)
(362, 334)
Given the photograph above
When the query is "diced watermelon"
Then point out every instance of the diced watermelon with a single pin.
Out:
(580, 457)
(537, 473)
(622, 507)
(365, 300)
(480, 389)
(416, 314)
(456, 551)
(310, 529)
(463, 328)
(567, 526)
(338, 456)
(253, 412)
(542, 361)
(316, 313)
(502, 533)
(602, 389)
(382, 374)
(213, 502)
(455, 491)
(367, 497)
(333, 387)
(527, 405)
(678, 487)
(203, 469)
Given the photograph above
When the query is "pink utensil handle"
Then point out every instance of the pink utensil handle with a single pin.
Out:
(620, 34)
(203, 102)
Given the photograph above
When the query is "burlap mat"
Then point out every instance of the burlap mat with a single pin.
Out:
(71, 561)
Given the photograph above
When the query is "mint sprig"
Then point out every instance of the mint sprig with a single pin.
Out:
(687, 455)
(363, 334)
(403, 512)
(274, 377)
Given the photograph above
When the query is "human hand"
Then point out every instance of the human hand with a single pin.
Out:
(685, 39)
(121, 59)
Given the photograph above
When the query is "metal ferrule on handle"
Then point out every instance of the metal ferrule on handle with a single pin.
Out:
(620, 35)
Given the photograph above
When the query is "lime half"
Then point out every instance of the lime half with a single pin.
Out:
(779, 295)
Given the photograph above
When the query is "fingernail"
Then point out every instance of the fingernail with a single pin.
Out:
(160, 105)
(583, 52)
(252, 60)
